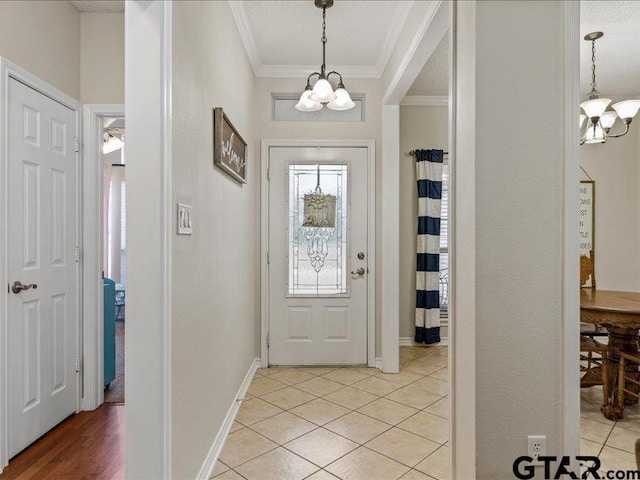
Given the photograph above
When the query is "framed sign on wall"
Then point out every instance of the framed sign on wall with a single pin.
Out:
(229, 148)
(587, 233)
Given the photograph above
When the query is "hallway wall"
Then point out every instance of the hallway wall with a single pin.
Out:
(215, 271)
(519, 149)
(615, 167)
(420, 127)
(81, 54)
(43, 37)
(102, 57)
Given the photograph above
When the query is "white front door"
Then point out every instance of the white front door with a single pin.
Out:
(42, 233)
(318, 255)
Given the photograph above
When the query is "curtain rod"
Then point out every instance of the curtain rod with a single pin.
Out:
(413, 153)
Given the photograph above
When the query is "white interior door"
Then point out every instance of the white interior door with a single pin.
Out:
(42, 233)
(318, 274)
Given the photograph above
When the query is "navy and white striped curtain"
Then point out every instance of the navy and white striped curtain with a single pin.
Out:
(429, 173)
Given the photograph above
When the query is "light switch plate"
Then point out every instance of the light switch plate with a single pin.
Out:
(184, 219)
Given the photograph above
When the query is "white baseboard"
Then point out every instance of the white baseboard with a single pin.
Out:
(444, 341)
(410, 342)
(206, 471)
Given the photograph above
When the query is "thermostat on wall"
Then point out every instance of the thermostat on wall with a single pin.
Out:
(184, 219)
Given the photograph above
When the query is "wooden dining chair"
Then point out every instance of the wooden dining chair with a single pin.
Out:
(594, 365)
(628, 379)
(593, 353)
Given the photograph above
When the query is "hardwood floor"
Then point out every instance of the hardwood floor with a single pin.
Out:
(89, 445)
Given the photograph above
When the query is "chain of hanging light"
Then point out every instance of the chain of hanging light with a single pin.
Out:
(322, 93)
(600, 120)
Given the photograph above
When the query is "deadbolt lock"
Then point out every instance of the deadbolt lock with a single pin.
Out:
(361, 255)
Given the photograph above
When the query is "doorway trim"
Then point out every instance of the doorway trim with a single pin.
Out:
(571, 255)
(93, 235)
(437, 19)
(10, 70)
(370, 145)
(148, 87)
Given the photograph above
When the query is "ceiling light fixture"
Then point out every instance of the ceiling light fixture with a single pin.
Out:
(313, 99)
(110, 143)
(600, 120)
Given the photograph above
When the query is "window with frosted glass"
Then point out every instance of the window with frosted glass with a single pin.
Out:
(317, 255)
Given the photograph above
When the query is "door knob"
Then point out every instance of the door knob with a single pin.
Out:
(359, 272)
(17, 287)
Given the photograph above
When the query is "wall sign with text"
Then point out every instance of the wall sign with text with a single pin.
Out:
(586, 233)
(229, 148)
(586, 209)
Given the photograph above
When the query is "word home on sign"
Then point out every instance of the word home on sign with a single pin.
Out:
(229, 148)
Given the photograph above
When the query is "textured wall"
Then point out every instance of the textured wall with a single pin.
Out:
(215, 270)
(519, 196)
(43, 37)
(615, 167)
(102, 58)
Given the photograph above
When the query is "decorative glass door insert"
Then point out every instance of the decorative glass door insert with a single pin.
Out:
(318, 230)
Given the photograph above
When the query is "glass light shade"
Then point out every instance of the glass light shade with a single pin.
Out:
(608, 118)
(322, 92)
(594, 134)
(583, 117)
(595, 107)
(342, 102)
(112, 144)
(306, 104)
(627, 108)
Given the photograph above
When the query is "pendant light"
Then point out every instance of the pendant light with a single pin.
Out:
(322, 93)
(599, 119)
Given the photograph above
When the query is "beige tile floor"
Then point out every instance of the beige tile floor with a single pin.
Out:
(612, 442)
(343, 423)
(361, 424)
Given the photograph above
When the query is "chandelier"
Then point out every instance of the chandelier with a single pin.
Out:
(313, 99)
(600, 120)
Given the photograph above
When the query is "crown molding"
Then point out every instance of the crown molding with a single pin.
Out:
(242, 24)
(303, 71)
(425, 101)
(397, 24)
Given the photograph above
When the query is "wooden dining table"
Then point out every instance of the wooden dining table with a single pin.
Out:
(619, 313)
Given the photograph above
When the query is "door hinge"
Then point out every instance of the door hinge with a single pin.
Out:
(268, 258)
(78, 365)
(268, 173)
(77, 254)
(268, 340)
(77, 145)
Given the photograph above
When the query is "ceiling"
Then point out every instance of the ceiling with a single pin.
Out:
(282, 38)
(433, 80)
(103, 6)
(617, 53)
(361, 35)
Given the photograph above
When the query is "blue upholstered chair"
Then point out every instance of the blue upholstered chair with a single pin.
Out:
(109, 331)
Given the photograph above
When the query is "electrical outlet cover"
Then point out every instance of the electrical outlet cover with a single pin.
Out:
(537, 447)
